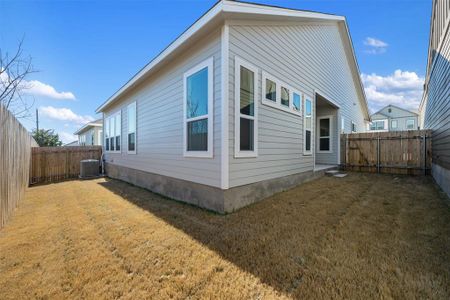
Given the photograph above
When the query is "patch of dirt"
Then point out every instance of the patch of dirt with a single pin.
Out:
(362, 236)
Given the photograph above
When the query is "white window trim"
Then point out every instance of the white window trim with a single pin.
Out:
(353, 123)
(113, 115)
(277, 104)
(414, 124)
(396, 121)
(209, 63)
(135, 128)
(330, 137)
(308, 152)
(238, 62)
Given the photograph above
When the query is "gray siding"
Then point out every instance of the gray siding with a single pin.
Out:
(160, 120)
(437, 108)
(307, 57)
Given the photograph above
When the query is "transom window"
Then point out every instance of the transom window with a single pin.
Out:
(113, 131)
(325, 134)
(280, 95)
(307, 125)
(198, 110)
(132, 122)
(246, 109)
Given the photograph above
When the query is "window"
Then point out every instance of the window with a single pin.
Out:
(246, 110)
(106, 135)
(410, 124)
(284, 96)
(377, 125)
(131, 120)
(297, 101)
(307, 125)
(325, 134)
(353, 126)
(198, 110)
(271, 90)
(342, 124)
(279, 95)
(113, 128)
(394, 124)
(82, 140)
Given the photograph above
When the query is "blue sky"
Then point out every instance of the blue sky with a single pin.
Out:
(86, 50)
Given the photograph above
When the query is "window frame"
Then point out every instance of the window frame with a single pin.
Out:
(396, 124)
(375, 122)
(209, 64)
(413, 124)
(310, 151)
(238, 153)
(353, 129)
(134, 103)
(277, 103)
(114, 137)
(329, 137)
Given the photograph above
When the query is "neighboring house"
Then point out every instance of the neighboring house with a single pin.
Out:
(72, 144)
(393, 118)
(91, 134)
(435, 105)
(248, 101)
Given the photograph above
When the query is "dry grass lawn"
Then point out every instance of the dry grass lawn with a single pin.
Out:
(363, 236)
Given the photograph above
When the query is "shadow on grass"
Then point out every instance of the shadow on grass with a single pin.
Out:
(260, 239)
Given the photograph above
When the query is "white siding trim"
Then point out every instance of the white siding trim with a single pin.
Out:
(209, 63)
(238, 62)
(225, 182)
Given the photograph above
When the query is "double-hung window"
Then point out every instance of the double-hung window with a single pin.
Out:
(113, 128)
(307, 125)
(410, 123)
(246, 109)
(198, 110)
(353, 126)
(394, 124)
(131, 120)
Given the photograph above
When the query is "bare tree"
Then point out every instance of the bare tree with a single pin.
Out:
(14, 69)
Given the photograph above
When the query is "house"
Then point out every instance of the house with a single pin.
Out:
(435, 105)
(71, 144)
(91, 134)
(393, 118)
(249, 101)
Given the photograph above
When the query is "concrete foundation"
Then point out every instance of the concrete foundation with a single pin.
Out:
(442, 177)
(211, 198)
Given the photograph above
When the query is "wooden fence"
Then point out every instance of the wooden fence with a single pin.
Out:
(52, 164)
(15, 152)
(400, 152)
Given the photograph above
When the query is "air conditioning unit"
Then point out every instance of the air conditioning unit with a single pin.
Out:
(89, 168)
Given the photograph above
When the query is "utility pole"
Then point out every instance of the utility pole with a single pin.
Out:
(37, 120)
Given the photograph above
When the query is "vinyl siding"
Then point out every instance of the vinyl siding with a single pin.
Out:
(159, 134)
(307, 57)
(437, 108)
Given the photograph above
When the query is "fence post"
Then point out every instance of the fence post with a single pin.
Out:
(424, 154)
(378, 154)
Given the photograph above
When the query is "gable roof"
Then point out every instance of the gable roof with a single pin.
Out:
(226, 9)
(391, 105)
(96, 123)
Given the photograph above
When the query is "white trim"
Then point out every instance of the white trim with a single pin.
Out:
(330, 137)
(311, 151)
(238, 62)
(135, 127)
(209, 64)
(277, 104)
(225, 182)
(107, 119)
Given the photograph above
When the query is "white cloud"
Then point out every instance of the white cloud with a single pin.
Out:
(64, 114)
(402, 88)
(375, 46)
(37, 88)
(66, 137)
